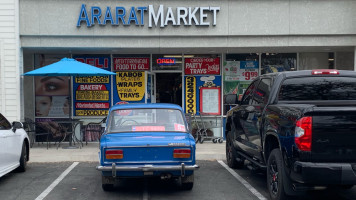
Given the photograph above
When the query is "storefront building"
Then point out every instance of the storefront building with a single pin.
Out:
(190, 53)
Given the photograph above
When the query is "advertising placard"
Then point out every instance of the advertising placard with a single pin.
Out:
(190, 95)
(240, 70)
(202, 66)
(135, 64)
(130, 86)
(92, 94)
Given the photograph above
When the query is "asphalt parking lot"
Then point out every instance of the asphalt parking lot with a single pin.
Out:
(81, 181)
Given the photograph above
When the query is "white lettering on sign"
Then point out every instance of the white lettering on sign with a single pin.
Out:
(161, 17)
(90, 87)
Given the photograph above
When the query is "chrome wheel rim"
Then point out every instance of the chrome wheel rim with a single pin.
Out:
(273, 176)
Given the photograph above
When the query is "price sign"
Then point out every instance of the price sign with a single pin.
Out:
(249, 75)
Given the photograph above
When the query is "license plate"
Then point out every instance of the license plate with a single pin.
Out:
(148, 173)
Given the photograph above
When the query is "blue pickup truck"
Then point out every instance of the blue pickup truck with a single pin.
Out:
(298, 126)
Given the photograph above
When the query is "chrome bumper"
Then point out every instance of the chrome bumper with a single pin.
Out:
(148, 168)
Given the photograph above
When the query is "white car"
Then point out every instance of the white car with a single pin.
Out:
(14, 146)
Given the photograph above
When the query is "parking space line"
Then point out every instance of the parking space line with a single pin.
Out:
(55, 183)
(243, 181)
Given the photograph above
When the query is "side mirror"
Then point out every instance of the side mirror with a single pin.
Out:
(16, 125)
(231, 99)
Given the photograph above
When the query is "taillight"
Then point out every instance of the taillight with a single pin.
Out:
(114, 154)
(325, 71)
(303, 134)
(181, 153)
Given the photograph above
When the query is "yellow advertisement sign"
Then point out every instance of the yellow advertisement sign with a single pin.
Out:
(92, 79)
(92, 112)
(92, 95)
(190, 95)
(130, 85)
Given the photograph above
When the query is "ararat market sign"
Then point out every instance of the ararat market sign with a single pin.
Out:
(136, 15)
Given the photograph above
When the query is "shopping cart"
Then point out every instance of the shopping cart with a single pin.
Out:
(195, 126)
(204, 129)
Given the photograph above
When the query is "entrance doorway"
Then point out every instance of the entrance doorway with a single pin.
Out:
(169, 88)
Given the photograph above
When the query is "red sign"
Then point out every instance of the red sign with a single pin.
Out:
(92, 87)
(92, 105)
(97, 62)
(202, 66)
(138, 64)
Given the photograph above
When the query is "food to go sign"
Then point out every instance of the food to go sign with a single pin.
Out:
(138, 64)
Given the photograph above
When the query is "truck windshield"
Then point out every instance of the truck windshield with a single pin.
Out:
(318, 88)
(146, 120)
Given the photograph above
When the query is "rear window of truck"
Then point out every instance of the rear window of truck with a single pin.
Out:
(318, 88)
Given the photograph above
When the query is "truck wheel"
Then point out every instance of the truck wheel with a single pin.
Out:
(275, 178)
(23, 159)
(231, 154)
(107, 187)
(187, 182)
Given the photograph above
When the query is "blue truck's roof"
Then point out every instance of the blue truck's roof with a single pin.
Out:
(147, 105)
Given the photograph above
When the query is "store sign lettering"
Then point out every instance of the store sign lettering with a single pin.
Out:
(121, 64)
(161, 17)
(190, 95)
(166, 61)
(202, 66)
(130, 85)
(104, 63)
(92, 105)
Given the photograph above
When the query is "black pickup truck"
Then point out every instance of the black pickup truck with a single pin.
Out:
(298, 126)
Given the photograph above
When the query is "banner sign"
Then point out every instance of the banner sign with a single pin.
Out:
(130, 85)
(190, 95)
(240, 70)
(125, 64)
(159, 16)
(92, 94)
(202, 66)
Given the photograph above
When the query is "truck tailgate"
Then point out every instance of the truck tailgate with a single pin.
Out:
(334, 134)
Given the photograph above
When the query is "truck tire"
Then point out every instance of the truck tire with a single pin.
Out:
(275, 176)
(231, 154)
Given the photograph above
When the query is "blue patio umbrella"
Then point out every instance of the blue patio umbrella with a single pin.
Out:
(69, 67)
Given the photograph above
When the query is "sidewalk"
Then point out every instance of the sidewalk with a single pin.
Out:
(89, 153)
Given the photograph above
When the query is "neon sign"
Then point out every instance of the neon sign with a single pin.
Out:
(166, 61)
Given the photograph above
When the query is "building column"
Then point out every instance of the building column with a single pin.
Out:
(354, 58)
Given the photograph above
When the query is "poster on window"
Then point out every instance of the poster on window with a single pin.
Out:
(202, 66)
(92, 94)
(135, 64)
(130, 87)
(240, 70)
(196, 100)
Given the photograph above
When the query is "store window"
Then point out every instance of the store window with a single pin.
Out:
(344, 60)
(316, 60)
(131, 62)
(92, 95)
(167, 62)
(51, 92)
(278, 62)
(239, 70)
